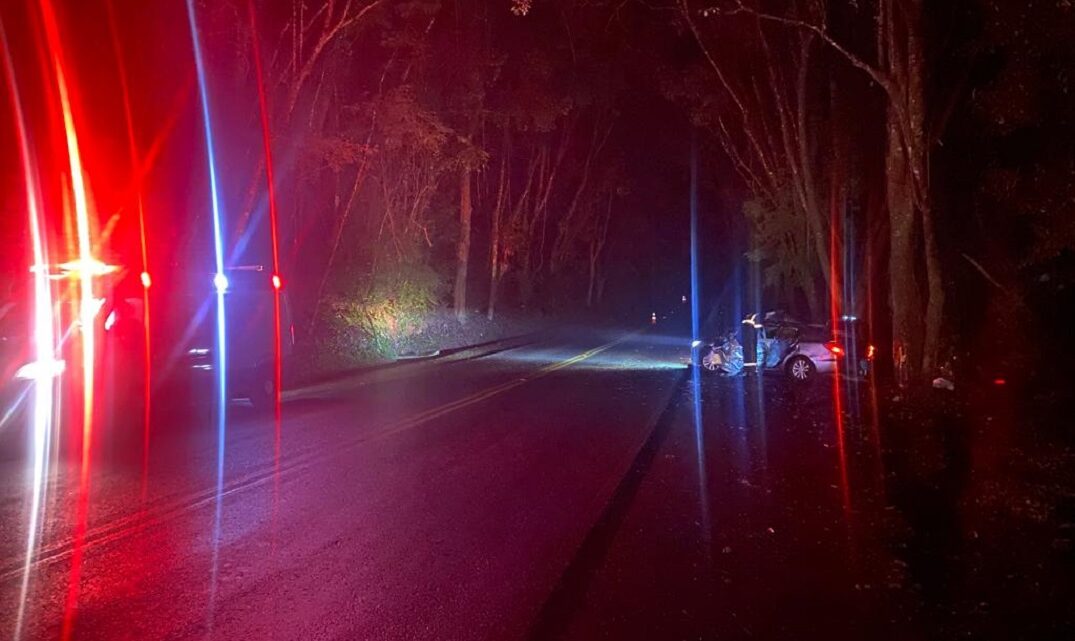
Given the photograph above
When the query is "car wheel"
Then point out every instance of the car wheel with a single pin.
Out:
(263, 390)
(709, 361)
(864, 370)
(800, 369)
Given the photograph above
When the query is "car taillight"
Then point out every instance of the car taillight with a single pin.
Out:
(276, 282)
(834, 348)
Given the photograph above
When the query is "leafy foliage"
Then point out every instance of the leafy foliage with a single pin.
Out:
(394, 309)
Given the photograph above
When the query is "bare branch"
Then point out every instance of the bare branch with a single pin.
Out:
(744, 113)
(744, 169)
(309, 25)
(877, 75)
(328, 35)
(985, 274)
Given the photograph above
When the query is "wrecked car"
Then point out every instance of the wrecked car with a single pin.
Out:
(774, 342)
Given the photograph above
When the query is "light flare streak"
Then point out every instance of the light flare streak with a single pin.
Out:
(220, 282)
(86, 267)
(136, 169)
(871, 336)
(699, 448)
(834, 313)
(86, 302)
(277, 283)
(696, 386)
(43, 337)
(835, 295)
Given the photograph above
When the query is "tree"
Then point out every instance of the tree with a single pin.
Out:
(612, 186)
(462, 255)
(308, 38)
(757, 101)
(538, 122)
(898, 68)
(495, 218)
(465, 83)
(569, 226)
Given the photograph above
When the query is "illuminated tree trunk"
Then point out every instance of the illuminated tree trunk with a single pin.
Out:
(498, 214)
(494, 264)
(462, 253)
(905, 296)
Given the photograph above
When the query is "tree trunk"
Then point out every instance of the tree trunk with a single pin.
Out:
(935, 284)
(494, 263)
(904, 291)
(919, 169)
(462, 253)
(526, 281)
(498, 214)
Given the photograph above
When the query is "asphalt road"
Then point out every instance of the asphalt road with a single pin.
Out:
(581, 486)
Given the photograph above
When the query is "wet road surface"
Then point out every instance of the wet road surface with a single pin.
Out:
(581, 486)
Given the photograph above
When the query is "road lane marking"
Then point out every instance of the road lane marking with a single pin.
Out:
(410, 369)
(151, 517)
(483, 395)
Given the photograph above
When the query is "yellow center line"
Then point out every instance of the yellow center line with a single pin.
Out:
(477, 397)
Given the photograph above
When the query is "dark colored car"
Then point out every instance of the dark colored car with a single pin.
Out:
(185, 325)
